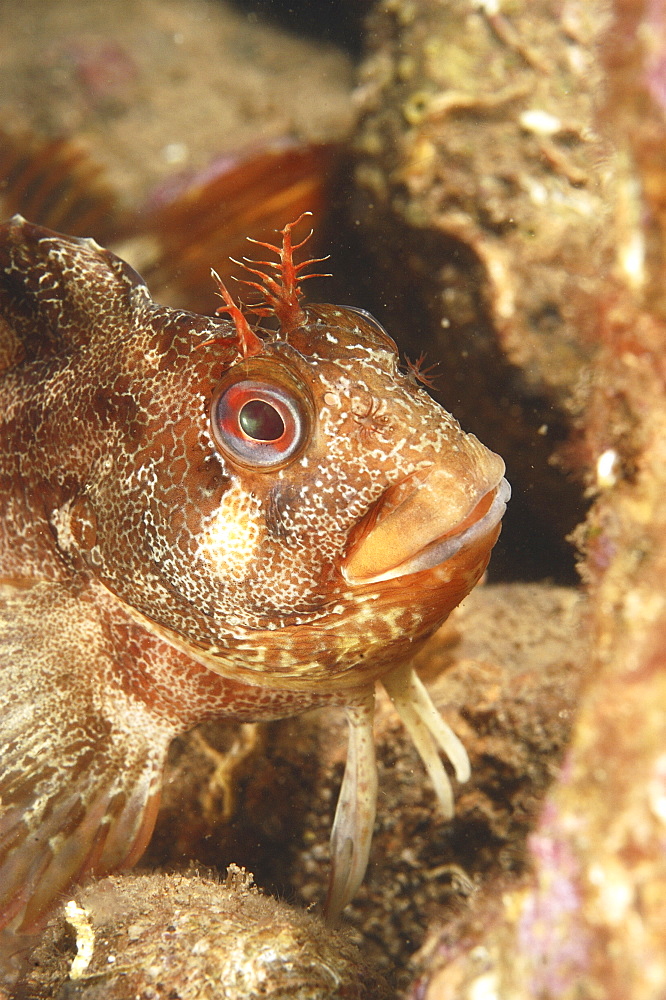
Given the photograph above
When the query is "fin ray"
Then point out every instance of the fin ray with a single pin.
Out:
(87, 796)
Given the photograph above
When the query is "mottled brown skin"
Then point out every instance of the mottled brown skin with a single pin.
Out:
(148, 581)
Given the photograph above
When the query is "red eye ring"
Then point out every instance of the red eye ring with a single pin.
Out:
(262, 425)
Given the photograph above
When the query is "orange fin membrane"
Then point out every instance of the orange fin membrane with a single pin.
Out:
(56, 183)
(207, 217)
(186, 223)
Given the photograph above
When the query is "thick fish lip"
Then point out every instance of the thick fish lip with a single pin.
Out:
(482, 521)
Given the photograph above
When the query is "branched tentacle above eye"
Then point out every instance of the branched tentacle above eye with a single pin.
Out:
(249, 344)
(282, 297)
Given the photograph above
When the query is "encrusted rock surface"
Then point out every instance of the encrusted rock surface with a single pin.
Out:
(487, 193)
(587, 917)
(192, 938)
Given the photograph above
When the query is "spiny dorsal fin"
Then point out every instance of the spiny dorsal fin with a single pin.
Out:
(58, 184)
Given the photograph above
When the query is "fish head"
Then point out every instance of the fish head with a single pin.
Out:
(351, 512)
(290, 508)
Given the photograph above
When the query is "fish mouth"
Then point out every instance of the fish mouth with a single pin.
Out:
(426, 529)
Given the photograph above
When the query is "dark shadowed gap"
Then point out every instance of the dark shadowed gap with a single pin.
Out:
(338, 22)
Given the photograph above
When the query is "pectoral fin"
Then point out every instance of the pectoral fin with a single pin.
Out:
(80, 759)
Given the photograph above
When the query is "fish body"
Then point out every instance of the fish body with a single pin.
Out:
(202, 521)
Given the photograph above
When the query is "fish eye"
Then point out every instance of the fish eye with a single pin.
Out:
(263, 425)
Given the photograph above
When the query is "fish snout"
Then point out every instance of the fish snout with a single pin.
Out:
(426, 521)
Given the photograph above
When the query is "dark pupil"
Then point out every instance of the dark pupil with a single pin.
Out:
(261, 421)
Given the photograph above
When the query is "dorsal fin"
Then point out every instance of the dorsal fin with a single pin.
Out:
(207, 218)
(186, 224)
(57, 183)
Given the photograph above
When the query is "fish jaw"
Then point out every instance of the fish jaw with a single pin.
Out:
(430, 522)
